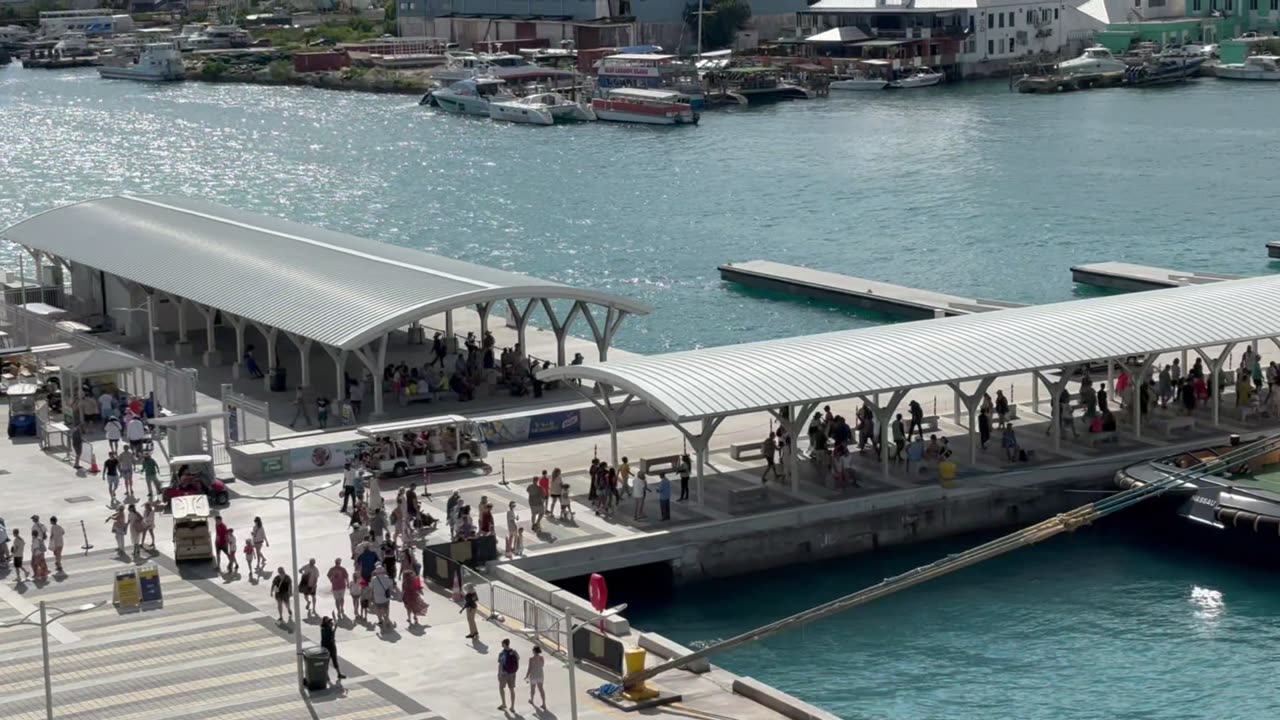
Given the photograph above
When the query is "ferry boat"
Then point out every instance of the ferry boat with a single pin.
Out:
(540, 109)
(1254, 67)
(645, 106)
(1243, 498)
(653, 71)
(469, 97)
(1095, 59)
(158, 62)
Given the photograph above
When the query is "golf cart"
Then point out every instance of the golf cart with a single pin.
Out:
(414, 445)
(191, 528)
(22, 409)
(193, 475)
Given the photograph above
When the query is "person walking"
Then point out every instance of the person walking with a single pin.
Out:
(220, 543)
(508, 667)
(16, 548)
(683, 469)
(348, 486)
(769, 448)
(383, 589)
(56, 535)
(282, 591)
(338, 579)
(554, 489)
(639, 488)
(39, 568)
(149, 526)
(111, 472)
(917, 419)
(533, 675)
(329, 641)
(308, 580)
(301, 408)
(4, 544)
(151, 473)
(534, 493)
(119, 528)
(136, 529)
(411, 593)
(899, 438)
(37, 527)
(664, 496)
(233, 565)
(114, 431)
(126, 458)
(624, 475)
(513, 525)
(984, 427)
(136, 433)
(77, 444)
(260, 541)
(470, 605)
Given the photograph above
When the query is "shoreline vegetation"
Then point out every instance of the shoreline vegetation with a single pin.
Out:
(281, 72)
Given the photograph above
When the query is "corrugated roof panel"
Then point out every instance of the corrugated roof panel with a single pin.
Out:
(331, 287)
(755, 376)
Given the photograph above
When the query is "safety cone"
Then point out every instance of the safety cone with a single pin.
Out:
(93, 462)
(457, 588)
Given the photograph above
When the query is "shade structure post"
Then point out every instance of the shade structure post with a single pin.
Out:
(971, 402)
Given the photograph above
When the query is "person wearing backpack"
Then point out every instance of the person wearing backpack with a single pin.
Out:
(508, 666)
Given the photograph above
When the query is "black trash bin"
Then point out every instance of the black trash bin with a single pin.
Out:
(279, 380)
(315, 668)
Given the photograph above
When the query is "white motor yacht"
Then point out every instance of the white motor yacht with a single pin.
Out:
(540, 109)
(469, 97)
(857, 82)
(1254, 67)
(1096, 59)
(511, 68)
(920, 77)
(216, 37)
(72, 44)
(158, 62)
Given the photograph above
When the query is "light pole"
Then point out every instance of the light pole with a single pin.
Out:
(568, 622)
(43, 624)
(151, 321)
(293, 549)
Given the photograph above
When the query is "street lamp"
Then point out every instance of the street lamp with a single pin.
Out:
(151, 322)
(293, 549)
(43, 624)
(573, 629)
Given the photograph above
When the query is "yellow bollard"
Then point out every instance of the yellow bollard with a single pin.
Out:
(947, 473)
(632, 663)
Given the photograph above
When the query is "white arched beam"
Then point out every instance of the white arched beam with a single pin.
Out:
(561, 327)
(604, 335)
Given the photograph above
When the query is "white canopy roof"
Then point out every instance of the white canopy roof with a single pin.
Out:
(97, 362)
(328, 286)
(770, 374)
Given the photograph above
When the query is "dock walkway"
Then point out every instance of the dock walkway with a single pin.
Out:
(1132, 277)
(897, 300)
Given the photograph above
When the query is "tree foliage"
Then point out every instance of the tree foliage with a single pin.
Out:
(721, 23)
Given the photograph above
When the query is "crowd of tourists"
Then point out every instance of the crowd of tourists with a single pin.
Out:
(44, 539)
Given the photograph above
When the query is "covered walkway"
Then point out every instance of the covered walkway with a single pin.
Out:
(791, 378)
(191, 265)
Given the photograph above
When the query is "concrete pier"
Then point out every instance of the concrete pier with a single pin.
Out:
(897, 300)
(1131, 277)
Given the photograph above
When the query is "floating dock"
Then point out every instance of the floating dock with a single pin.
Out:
(1131, 277)
(871, 295)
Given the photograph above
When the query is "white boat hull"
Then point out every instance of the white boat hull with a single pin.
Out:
(517, 113)
(128, 73)
(917, 81)
(461, 104)
(865, 84)
(1242, 72)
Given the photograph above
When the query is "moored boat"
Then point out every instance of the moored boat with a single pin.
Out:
(1254, 67)
(1161, 69)
(654, 71)
(1095, 59)
(645, 106)
(540, 109)
(158, 62)
(469, 97)
(917, 78)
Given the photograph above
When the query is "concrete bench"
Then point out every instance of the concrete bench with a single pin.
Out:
(662, 463)
(747, 451)
(1168, 425)
(747, 498)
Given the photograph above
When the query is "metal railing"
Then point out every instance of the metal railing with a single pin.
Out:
(518, 611)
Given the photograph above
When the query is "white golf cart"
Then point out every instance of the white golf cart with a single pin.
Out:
(399, 448)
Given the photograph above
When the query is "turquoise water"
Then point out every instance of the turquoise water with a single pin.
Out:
(1121, 622)
(969, 189)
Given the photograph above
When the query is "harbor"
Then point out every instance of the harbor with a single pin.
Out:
(651, 229)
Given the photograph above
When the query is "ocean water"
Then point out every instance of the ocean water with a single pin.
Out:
(968, 189)
(1135, 620)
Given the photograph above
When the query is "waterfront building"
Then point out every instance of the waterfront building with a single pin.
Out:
(658, 22)
(1181, 22)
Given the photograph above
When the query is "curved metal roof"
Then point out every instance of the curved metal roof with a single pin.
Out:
(756, 376)
(331, 287)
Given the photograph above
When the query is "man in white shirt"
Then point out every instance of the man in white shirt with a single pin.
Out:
(56, 534)
(136, 432)
(639, 487)
(106, 405)
(348, 487)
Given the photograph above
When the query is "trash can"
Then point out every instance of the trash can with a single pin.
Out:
(279, 380)
(315, 668)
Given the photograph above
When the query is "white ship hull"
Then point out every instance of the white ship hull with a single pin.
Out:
(859, 84)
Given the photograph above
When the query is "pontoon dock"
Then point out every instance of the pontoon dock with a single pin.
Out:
(866, 294)
(1128, 277)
